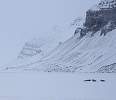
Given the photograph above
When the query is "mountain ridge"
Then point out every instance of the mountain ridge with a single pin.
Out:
(91, 49)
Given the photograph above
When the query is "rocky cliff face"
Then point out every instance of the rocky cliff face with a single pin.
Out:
(95, 20)
(104, 4)
(101, 19)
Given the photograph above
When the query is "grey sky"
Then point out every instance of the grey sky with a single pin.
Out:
(22, 20)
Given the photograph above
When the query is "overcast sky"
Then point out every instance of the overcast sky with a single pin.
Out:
(22, 20)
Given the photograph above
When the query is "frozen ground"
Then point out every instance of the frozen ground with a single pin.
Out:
(56, 86)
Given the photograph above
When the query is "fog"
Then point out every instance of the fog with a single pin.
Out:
(23, 20)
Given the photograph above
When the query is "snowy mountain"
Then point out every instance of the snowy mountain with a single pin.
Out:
(91, 49)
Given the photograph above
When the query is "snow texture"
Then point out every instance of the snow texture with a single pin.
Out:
(46, 86)
(104, 4)
(91, 49)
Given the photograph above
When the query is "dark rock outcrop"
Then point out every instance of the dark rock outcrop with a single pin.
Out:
(103, 19)
(95, 20)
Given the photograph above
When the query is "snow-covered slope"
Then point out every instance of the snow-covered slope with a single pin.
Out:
(91, 49)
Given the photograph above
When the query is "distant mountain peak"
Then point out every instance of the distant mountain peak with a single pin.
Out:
(32, 48)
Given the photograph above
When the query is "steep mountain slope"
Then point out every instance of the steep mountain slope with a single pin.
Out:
(91, 49)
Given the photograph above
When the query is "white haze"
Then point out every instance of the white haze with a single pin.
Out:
(23, 20)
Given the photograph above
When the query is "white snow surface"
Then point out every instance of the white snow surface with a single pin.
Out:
(52, 86)
(79, 55)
